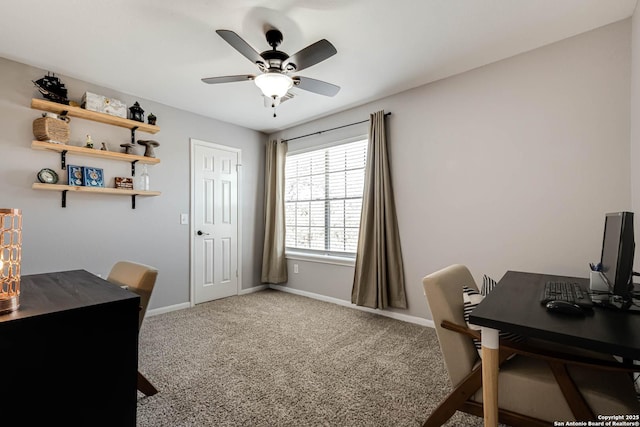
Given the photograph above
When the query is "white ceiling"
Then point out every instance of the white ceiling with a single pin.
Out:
(160, 49)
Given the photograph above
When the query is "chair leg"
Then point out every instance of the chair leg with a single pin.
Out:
(504, 417)
(445, 410)
(579, 407)
(456, 399)
(145, 386)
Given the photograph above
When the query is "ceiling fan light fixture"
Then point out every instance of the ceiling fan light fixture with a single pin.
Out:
(274, 84)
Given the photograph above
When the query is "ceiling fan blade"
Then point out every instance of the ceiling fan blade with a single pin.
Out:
(240, 45)
(316, 86)
(228, 79)
(311, 55)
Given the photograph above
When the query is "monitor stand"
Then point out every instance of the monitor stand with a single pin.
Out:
(616, 302)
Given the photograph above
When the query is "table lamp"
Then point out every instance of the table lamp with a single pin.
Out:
(10, 255)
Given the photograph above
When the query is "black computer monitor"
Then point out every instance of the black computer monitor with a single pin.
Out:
(618, 247)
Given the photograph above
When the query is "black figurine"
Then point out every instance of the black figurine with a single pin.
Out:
(136, 112)
(151, 119)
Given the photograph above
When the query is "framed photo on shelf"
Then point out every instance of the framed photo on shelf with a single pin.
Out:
(124, 182)
(93, 177)
(74, 175)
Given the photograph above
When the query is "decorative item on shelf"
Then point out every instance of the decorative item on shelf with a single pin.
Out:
(89, 143)
(151, 119)
(104, 147)
(10, 258)
(149, 144)
(124, 183)
(92, 177)
(102, 104)
(51, 128)
(52, 88)
(127, 148)
(136, 112)
(47, 176)
(143, 182)
(74, 175)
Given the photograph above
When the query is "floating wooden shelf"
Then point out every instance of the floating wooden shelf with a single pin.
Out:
(101, 190)
(54, 107)
(90, 152)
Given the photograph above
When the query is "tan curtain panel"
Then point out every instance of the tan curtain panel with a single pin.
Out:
(274, 263)
(379, 274)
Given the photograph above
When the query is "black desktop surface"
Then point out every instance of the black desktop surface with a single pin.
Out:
(514, 306)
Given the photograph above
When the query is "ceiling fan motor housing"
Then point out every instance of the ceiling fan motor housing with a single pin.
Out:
(275, 59)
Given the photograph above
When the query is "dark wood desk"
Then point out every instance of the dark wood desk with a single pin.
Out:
(514, 306)
(70, 352)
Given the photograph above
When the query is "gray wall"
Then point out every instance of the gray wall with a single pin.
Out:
(95, 231)
(510, 166)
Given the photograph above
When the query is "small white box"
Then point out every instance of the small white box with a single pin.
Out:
(102, 104)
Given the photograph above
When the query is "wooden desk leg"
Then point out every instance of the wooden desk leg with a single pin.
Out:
(490, 360)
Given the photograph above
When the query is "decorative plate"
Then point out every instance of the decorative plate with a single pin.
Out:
(47, 176)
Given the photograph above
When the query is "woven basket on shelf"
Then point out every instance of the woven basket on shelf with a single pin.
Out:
(51, 130)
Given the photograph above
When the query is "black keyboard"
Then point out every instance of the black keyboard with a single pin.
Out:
(566, 291)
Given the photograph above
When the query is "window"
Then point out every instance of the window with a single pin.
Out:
(323, 198)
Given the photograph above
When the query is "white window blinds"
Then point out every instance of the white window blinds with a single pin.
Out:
(323, 198)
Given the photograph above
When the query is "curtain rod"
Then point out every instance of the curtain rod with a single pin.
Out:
(327, 130)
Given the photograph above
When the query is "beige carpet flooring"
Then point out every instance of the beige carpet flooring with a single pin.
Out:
(272, 358)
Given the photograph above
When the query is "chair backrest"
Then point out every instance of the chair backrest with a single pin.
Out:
(138, 278)
(443, 290)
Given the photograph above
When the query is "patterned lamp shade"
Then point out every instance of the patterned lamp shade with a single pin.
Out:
(10, 255)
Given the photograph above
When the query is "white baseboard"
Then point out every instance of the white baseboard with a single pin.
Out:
(391, 314)
(184, 305)
(167, 309)
(253, 289)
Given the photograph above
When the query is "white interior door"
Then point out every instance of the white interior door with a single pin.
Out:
(215, 227)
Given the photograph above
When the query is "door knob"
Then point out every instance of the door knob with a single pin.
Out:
(201, 233)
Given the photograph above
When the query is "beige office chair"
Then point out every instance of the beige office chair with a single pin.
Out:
(537, 386)
(140, 279)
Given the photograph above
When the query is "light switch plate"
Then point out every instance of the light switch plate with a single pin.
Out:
(184, 219)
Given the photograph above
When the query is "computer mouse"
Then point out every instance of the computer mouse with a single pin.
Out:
(565, 307)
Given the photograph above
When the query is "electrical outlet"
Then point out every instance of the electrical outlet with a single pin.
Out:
(184, 219)
(295, 268)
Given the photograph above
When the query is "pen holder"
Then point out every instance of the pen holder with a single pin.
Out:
(597, 283)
